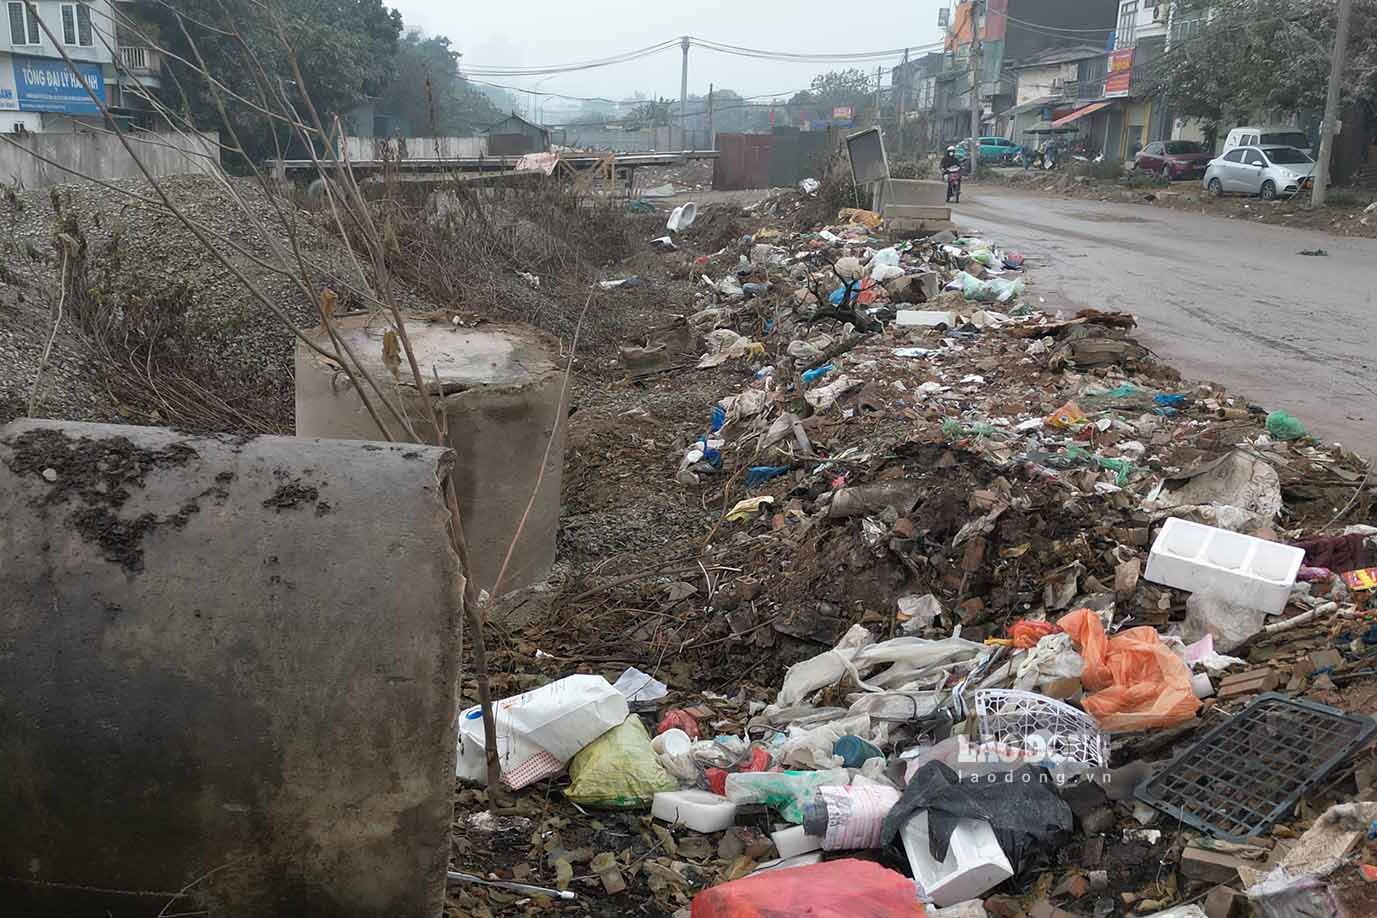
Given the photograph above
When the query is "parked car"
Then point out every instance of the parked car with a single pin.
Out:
(992, 149)
(1267, 137)
(1267, 172)
(1173, 159)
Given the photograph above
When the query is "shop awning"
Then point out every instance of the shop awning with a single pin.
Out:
(1090, 109)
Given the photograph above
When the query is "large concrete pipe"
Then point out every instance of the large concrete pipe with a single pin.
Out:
(227, 664)
(502, 400)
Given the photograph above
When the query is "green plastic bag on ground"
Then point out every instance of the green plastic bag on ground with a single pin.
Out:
(618, 770)
(1284, 426)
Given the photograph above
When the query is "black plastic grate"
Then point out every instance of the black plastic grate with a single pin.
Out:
(1248, 772)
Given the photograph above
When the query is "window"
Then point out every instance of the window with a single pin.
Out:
(23, 26)
(1297, 139)
(1128, 21)
(1286, 156)
(1235, 156)
(1183, 147)
(1186, 29)
(1153, 149)
(76, 25)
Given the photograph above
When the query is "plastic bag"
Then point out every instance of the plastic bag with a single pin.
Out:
(784, 791)
(1024, 811)
(1138, 682)
(1067, 416)
(1026, 633)
(618, 770)
(833, 889)
(889, 256)
(1284, 426)
(540, 730)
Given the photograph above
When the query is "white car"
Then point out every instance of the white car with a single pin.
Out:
(1267, 172)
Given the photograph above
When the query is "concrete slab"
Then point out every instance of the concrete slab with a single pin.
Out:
(227, 664)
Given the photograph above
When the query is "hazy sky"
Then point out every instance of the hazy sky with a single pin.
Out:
(546, 32)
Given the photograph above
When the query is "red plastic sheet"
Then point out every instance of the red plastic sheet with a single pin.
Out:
(847, 888)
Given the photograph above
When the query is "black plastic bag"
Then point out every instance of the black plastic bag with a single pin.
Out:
(1021, 806)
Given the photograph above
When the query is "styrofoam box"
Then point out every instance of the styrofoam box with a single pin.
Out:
(699, 810)
(974, 864)
(1243, 569)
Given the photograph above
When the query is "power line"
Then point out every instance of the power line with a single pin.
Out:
(1050, 28)
(819, 57)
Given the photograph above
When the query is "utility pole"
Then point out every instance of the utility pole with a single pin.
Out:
(712, 142)
(901, 87)
(1331, 105)
(975, 87)
(683, 96)
(878, 71)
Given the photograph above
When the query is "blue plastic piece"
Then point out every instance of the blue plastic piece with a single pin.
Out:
(719, 417)
(813, 376)
(1168, 400)
(854, 751)
(759, 474)
(839, 294)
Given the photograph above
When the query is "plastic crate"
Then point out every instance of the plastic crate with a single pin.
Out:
(1248, 772)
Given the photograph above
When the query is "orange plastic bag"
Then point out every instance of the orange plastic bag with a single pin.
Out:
(848, 888)
(1138, 683)
(1068, 415)
(1026, 634)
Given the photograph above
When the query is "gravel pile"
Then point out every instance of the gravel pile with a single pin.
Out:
(139, 252)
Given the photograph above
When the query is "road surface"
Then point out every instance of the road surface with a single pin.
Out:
(1221, 300)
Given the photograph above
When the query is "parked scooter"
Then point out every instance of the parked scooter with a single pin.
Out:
(953, 174)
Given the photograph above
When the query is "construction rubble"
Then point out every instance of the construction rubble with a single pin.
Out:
(982, 611)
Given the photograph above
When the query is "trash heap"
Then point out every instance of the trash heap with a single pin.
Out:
(1068, 635)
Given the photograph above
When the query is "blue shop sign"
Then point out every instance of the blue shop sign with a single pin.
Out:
(50, 85)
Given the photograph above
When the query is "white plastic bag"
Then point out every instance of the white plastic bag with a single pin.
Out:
(539, 731)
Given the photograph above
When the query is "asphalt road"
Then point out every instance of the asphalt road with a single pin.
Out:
(1221, 300)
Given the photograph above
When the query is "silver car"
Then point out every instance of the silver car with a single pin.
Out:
(1266, 171)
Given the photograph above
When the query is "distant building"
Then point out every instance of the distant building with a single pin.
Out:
(41, 93)
(1011, 32)
(514, 135)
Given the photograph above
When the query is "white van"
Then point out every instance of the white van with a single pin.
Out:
(1277, 136)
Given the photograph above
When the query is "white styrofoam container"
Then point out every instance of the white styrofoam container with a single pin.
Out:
(974, 864)
(1203, 559)
(925, 318)
(699, 810)
(793, 841)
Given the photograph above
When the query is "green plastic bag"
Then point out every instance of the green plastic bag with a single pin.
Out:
(618, 770)
(1284, 426)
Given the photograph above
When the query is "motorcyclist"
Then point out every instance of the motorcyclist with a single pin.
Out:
(950, 159)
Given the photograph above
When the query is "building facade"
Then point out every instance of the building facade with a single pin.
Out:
(1011, 33)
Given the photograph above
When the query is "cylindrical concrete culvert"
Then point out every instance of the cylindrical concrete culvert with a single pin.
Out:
(502, 385)
(227, 664)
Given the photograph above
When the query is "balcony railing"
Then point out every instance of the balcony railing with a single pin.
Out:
(141, 61)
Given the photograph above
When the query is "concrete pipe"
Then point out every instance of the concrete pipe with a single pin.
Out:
(502, 390)
(227, 665)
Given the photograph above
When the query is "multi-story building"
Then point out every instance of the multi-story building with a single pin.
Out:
(40, 92)
(1010, 32)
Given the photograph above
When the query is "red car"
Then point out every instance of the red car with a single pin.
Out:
(1174, 160)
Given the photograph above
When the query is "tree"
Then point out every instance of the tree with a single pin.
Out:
(1254, 56)
(851, 87)
(652, 113)
(344, 50)
(429, 94)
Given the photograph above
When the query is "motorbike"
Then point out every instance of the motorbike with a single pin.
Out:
(953, 174)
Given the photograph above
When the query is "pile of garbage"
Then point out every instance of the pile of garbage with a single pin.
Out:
(1079, 628)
